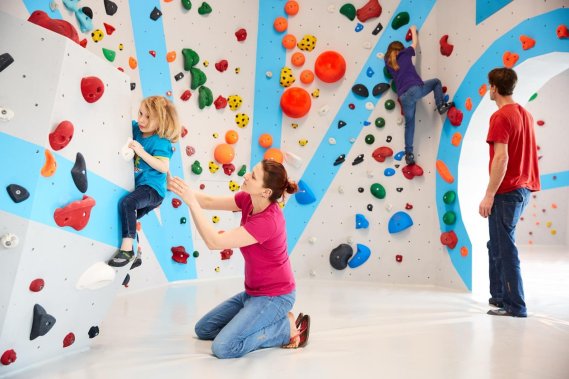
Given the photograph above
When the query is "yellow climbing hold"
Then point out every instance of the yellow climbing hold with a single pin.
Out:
(234, 102)
(233, 186)
(307, 43)
(213, 167)
(242, 120)
(287, 77)
(316, 93)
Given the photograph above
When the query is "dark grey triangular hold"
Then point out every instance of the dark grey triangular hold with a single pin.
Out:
(179, 76)
(132, 86)
(126, 280)
(5, 61)
(341, 158)
(379, 88)
(360, 90)
(93, 332)
(359, 159)
(155, 14)
(17, 193)
(340, 256)
(110, 7)
(341, 124)
(377, 29)
(88, 12)
(43, 322)
(79, 173)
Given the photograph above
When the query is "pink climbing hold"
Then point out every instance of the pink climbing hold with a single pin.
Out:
(455, 116)
(381, 153)
(371, 10)
(449, 239)
(75, 214)
(92, 88)
(446, 48)
(61, 136)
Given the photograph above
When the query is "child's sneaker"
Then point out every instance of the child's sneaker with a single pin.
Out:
(444, 107)
(409, 158)
(121, 258)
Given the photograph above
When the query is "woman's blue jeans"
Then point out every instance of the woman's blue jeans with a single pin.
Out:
(409, 103)
(504, 264)
(245, 323)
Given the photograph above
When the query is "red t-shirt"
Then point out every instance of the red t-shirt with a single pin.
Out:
(267, 268)
(513, 125)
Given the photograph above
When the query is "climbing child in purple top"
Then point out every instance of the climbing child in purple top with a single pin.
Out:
(410, 87)
(260, 316)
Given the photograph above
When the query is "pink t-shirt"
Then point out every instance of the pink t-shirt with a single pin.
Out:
(267, 267)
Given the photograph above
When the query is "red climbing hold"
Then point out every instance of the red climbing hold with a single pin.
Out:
(176, 202)
(381, 153)
(399, 258)
(37, 285)
(226, 254)
(527, 42)
(83, 42)
(228, 168)
(455, 116)
(410, 171)
(75, 214)
(8, 357)
(540, 122)
(92, 88)
(449, 239)
(61, 136)
(179, 254)
(408, 36)
(241, 35)
(446, 48)
(562, 32)
(221, 65)
(152, 52)
(184, 131)
(59, 26)
(186, 95)
(69, 340)
(408, 206)
(371, 10)
(109, 28)
(220, 102)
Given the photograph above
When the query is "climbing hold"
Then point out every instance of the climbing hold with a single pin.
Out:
(408, 206)
(215, 219)
(191, 58)
(377, 29)
(224, 153)
(205, 97)
(186, 95)
(287, 77)
(17, 193)
(332, 141)
(381, 153)
(389, 172)
(304, 195)
(241, 35)
(361, 221)
(8, 357)
(540, 122)
(307, 43)
(5, 61)
(349, 11)
(369, 139)
(340, 255)
(183, 220)
(482, 90)
(187, 4)
(409, 35)
(370, 10)
(509, 59)
(226, 254)
(109, 54)
(110, 7)
(527, 42)
(234, 102)
(456, 139)
(179, 76)
(9, 240)
(444, 172)
(204, 9)
(449, 218)
(295, 102)
(377, 190)
(307, 77)
(402, 18)
(341, 158)
(370, 207)
(533, 97)
(399, 222)
(220, 102)
(179, 254)
(222, 65)
(198, 78)
(242, 120)
(190, 150)
(445, 47)
(468, 104)
(291, 8)
(330, 66)
(380, 122)
(562, 32)
(155, 14)
(42, 322)
(197, 168)
(280, 24)
(92, 88)
(449, 197)
(379, 89)
(37, 285)
(359, 27)
(341, 124)
(389, 104)
(449, 239)
(265, 140)
(171, 57)
(274, 154)
(297, 59)
(76, 214)
(58, 26)
(231, 137)
(370, 72)
(360, 189)
(410, 171)
(69, 340)
(228, 168)
(359, 159)
(362, 255)
(360, 90)
(233, 186)
(293, 159)
(399, 258)
(242, 170)
(455, 116)
(50, 164)
(93, 331)
(79, 173)
(289, 41)
(176, 202)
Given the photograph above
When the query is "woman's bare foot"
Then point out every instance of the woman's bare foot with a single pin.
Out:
(294, 335)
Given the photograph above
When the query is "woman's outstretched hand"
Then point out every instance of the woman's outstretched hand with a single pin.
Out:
(179, 187)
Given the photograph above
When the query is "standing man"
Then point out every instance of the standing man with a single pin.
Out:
(514, 174)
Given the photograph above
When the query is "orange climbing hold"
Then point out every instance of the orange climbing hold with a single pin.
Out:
(132, 62)
(527, 42)
(50, 165)
(444, 172)
(468, 104)
(224, 153)
(280, 24)
(295, 102)
(291, 8)
(306, 76)
(510, 59)
(330, 66)
(297, 59)
(464, 251)
(231, 137)
(289, 41)
(562, 31)
(265, 140)
(482, 90)
(456, 139)
(274, 154)
(171, 56)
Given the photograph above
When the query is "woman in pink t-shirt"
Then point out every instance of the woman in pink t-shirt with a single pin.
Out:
(260, 316)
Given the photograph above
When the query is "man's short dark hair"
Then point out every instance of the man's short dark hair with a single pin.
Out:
(504, 79)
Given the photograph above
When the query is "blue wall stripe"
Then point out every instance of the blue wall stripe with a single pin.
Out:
(155, 79)
(43, 5)
(542, 29)
(486, 8)
(271, 56)
(554, 180)
(320, 171)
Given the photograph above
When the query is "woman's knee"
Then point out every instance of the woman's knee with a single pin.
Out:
(225, 350)
(203, 332)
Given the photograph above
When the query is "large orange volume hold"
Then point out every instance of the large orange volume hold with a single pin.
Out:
(330, 66)
(295, 102)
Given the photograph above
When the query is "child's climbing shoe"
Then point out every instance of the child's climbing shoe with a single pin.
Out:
(121, 258)
(444, 107)
(409, 158)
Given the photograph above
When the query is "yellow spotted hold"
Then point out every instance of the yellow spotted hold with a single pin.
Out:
(215, 219)
(307, 43)
(316, 93)
(121, 46)
(302, 142)
(217, 269)
(242, 120)
(233, 186)
(97, 35)
(215, 135)
(294, 125)
(287, 78)
(213, 167)
(206, 63)
(234, 102)
(237, 70)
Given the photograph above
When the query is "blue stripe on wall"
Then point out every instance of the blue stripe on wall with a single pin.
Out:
(541, 28)
(554, 180)
(42, 5)
(320, 171)
(486, 8)
(155, 79)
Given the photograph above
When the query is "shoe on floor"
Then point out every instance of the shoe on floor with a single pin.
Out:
(444, 107)
(502, 312)
(121, 258)
(409, 158)
(495, 302)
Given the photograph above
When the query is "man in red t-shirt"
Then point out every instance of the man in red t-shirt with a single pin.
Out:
(514, 174)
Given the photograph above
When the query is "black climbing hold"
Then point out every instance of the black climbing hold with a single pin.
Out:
(397, 165)
(377, 29)
(379, 89)
(341, 124)
(399, 189)
(17, 193)
(132, 86)
(126, 280)
(360, 189)
(5, 61)
(88, 12)
(340, 255)
(340, 160)
(155, 14)
(110, 7)
(93, 332)
(42, 323)
(370, 207)
(179, 76)
(137, 262)
(79, 173)
(388, 139)
(359, 159)
(360, 90)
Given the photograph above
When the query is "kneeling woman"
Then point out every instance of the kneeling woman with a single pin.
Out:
(260, 316)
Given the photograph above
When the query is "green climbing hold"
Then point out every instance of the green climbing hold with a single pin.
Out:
(198, 77)
(196, 254)
(191, 58)
(400, 19)
(109, 54)
(205, 8)
(532, 98)
(449, 197)
(449, 218)
(377, 190)
(348, 10)
(197, 168)
(393, 87)
(380, 122)
(183, 220)
(205, 97)
(389, 104)
(370, 139)
(187, 4)
(242, 170)
(386, 73)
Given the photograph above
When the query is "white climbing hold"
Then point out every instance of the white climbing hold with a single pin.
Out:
(332, 141)
(6, 114)
(97, 276)
(388, 207)
(379, 55)
(367, 45)
(126, 152)
(341, 189)
(313, 273)
(53, 6)
(369, 106)
(352, 140)
(322, 111)
(369, 173)
(293, 159)
(269, 74)
(9, 240)
(331, 8)
(312, 240)
(400, 120)
(350, 240)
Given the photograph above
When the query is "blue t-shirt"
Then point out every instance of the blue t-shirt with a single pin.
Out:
(406, 77)
(143, 173)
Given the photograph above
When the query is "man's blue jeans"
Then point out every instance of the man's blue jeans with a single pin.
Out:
(409, 103)
(504, 264)
(245, 323)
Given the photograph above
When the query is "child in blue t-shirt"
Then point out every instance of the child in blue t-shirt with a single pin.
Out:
(410, 87)
(154, 132)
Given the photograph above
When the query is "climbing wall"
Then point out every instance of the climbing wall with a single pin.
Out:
(62, 178)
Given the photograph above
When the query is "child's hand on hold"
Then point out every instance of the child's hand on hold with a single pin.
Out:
(413, 28)
(137, 147)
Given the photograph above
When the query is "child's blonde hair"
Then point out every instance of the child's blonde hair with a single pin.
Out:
(162, 111)
(392, 50)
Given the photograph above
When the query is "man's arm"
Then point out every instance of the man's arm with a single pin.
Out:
(497, 173)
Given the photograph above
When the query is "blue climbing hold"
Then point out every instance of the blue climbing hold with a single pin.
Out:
(446, 98)
(362, 255)
(369, 72)
(399, 222)
(304, 195)
(366, 123)
(399, 156)
(361, 221)
(389, 172)
(359, 27)
(85, 22)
